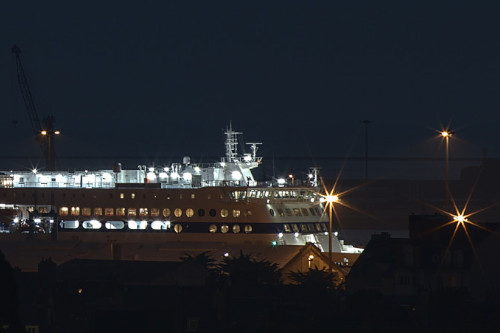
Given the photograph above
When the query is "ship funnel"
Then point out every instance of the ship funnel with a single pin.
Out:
(117, 168)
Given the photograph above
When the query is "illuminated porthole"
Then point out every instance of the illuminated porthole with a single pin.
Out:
(75, 211)
(143, 212)
(178, 212)
(166, 212)
(155, 212)
(132, 212)
(212, 212)
(98, 211)
(248, 228)
(249, 212)
(86, 211)
(224, 228)
(236, 228)
(201, 212)
(120, 211)
(189, 212)
(109, 211)
(223, 213)
(271, 211)
(212, 228)
(236, 213)
(63, 211)
(178, 228)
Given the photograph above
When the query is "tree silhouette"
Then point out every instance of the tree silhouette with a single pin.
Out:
(247, 271)
(204, 259)
(9, 304)
(316, 279)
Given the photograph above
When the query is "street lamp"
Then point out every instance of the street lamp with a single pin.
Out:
(330, 199)
(446, 134)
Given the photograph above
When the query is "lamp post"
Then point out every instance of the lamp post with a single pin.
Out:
(330, 198)
(446, 135)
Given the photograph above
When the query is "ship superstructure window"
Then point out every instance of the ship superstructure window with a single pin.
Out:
(303, 228)
(236, 228)
(237, 195)
(160, 225)
(189, 212)
(120, 211)
(236, 213)
(281, 212)
(132, 212)
(296, 212)
(212, 212)
(63, 211)
(93, 224)
(304, 211)
(69, 224)
(109, 212)
(43, 210)
(212, 228)
(178, 212)
(112, 225)
(295, 228)
(122, 195)
(137, 225)
(75, 211)
(201, 212)
(271, 211)
(132, 195)
(318, 227)
(98, 211)
(86, 211)
(193, 195)
(223, 213)
(166, 212)
(224, 228)
(143, 212)
(311, 227)
(288, 212)
(313, 212)
(248, 228)
(155, 212)
(287, 228)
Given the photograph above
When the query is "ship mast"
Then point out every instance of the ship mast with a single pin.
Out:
(231, 144)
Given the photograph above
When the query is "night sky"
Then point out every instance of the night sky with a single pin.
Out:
(164, 78)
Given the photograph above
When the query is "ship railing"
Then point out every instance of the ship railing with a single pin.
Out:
(60, 185)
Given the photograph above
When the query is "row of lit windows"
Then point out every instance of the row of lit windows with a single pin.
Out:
(271, 194)
(145, 212)
(314, 211)
(143, 225)
(305, 228)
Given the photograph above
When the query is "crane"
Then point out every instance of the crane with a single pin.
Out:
(45, 134)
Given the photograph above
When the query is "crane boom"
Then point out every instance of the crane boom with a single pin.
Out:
(46, 133)
(26, 92)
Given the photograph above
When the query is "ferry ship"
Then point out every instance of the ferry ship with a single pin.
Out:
(186, 202)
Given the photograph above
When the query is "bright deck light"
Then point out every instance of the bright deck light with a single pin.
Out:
(236, 175)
